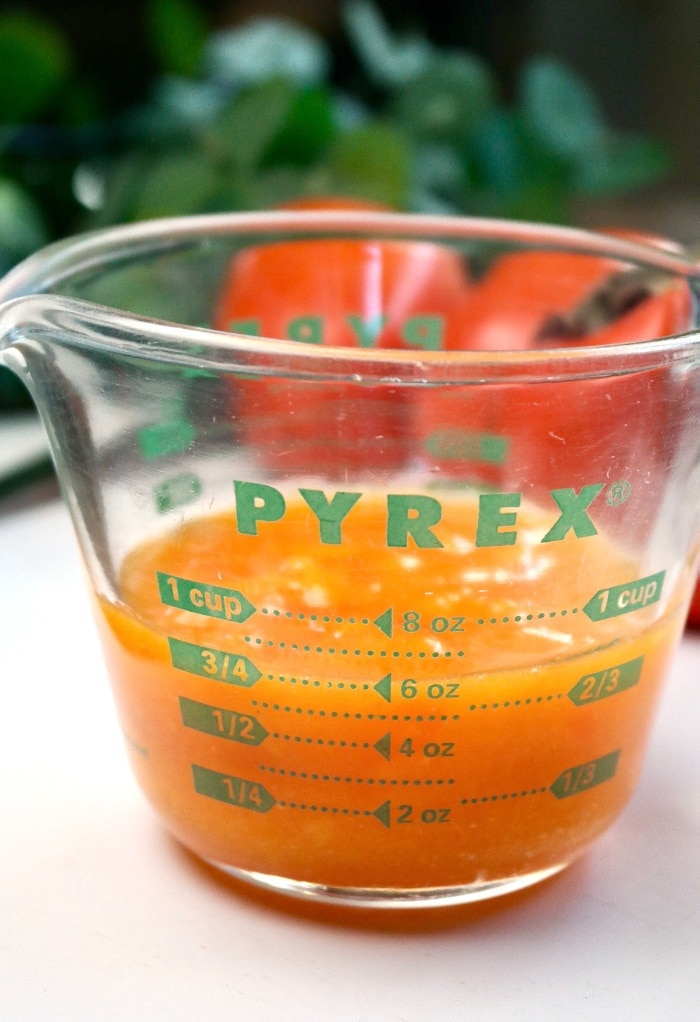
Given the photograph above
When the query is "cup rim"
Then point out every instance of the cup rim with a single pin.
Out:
(78, 252)
(27, 288)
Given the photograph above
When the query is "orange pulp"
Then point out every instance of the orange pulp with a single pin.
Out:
(384, 717)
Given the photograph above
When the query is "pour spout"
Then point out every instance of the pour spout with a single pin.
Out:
(19, 320)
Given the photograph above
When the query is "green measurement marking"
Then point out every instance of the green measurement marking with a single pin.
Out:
(176, 492)
(349, 715)
(164, 438)
(381, 813)
(410, 622)
(516, 619)
(383, 746)
(569, 782)
(331, 618)
(586, 775)
(222, 723)
(202, 598)
(348, 686)
(410, 688)
(508, 704)
(382, 687)
(592, 688)
(502, 797)
(454, 444)
(331, 743)
(234, 791)
(216, 664)
(347, 651)
(385, 623)
(339, 779)
(625, 598)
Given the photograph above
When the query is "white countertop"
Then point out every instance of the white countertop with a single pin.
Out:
(103, 916)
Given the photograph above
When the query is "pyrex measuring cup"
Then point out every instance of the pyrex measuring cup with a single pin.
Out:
(386, 619)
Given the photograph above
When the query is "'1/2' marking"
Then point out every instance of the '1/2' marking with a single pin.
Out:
(222, 723)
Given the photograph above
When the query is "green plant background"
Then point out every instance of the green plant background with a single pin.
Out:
(253, 116)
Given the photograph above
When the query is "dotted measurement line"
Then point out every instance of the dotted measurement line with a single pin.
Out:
(325, 619)
(507, 704)
(289, 615)
(352, 686)
(334, 810)
(337, 779)
(510, 703)
(346, 715)
(255, 640)
(331, 742)
(406, 717)
(519, 618)
(504, 797)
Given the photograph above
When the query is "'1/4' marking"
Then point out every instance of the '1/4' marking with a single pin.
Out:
(236, 791)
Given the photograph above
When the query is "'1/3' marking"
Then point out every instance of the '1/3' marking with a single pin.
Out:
(586, 775)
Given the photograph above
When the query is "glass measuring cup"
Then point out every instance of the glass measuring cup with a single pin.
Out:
(386, 620)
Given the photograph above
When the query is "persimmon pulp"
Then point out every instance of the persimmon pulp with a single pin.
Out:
(388, 721)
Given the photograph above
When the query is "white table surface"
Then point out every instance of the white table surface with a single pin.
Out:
(103, 916)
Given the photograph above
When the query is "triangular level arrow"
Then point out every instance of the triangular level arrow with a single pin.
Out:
(383, 813)
(385, 622)
(383, 687)
(383, 746)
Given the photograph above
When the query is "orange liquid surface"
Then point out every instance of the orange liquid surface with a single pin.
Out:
(383, 717)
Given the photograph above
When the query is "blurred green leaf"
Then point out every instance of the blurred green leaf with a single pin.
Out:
(306, 131)
(391, 61)
(245, 129)
(505, 158)
(559, 107)
(543, 202)
(374, 162)
(448, 98)
(80, 102)
(121, 180)
(439, 168)
(178, 32)
(34, 63)
(272, 187)
(266, 48)
(189, 101)
(498, 157)
(621, 163)
(349, 111)
(175, 184)
(22, 226)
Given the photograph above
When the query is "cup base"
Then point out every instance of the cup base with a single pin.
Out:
(391, 897)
